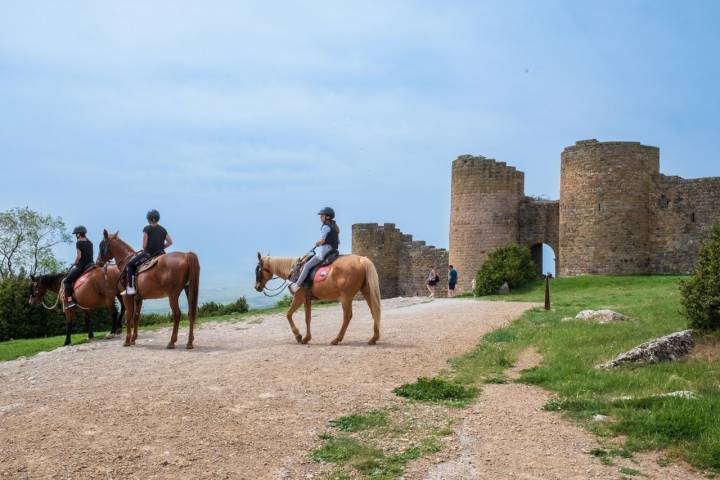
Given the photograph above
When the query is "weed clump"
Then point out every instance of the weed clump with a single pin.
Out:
(437, 390)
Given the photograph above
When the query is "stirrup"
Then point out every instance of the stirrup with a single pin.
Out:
(70, 305)
(293, 288)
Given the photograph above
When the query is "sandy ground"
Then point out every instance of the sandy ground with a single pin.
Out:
(249, 402)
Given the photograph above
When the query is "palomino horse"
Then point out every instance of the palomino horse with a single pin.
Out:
(99, 290)
(173, 273)
(349, 274)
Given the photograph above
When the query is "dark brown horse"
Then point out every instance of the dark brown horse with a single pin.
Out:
(173, 273)
(349, 274)
(98, 290)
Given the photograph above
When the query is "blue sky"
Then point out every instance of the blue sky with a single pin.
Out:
(239, 120)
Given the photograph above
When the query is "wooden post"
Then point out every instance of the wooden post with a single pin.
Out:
(547, 292)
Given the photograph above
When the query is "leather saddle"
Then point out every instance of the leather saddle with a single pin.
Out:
(309, 280)
(149, 264)
(84, 275)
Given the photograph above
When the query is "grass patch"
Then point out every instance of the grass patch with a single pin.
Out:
(12, 349)
(629, 471)
(437, 390)
(360, 421)
(688, 428)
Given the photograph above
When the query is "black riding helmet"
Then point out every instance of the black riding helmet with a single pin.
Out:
(327, 211)
(80, 229)
(153, 215)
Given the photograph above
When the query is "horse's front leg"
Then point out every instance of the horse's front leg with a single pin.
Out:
(69, 320)
(88, 325)
(347, 315)
(297, 301)
(308, 306)
(136, 320)
(129, 317)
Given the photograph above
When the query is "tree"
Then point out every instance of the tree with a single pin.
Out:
(512, 264)
(700, 294)
(26, 241)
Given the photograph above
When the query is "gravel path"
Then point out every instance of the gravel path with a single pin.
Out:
(248, 402)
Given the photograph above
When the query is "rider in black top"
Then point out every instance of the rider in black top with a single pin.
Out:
(83, 258)
(155, 241)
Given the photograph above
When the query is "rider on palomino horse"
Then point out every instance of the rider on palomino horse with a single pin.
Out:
(83, 258)
(329, 241)
(155, 241)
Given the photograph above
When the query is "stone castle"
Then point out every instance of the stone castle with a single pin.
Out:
(617, 215)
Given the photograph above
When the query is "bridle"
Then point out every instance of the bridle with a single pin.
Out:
(261, 268)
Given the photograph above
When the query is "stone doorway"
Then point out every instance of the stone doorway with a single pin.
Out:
(545, 258)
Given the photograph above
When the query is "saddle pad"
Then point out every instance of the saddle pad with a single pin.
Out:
(82, 280)
(148, 265)
(322, 273)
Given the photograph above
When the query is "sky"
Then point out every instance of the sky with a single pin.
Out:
(239, 120)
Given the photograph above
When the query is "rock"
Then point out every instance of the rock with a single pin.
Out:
(690, 395)
(668, 348)
(600, 418)
(504, 289)
(601, 316)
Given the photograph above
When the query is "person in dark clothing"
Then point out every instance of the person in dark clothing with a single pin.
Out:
(452, 280)
(83, 258)
(155, 241)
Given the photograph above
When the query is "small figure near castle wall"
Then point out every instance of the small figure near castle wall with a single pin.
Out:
(432, 280)
(452, 280)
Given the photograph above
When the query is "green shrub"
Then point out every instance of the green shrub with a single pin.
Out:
(701, 292)
(512, 264)
(213, 309)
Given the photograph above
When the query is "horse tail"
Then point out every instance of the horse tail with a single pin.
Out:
(371, 292)
(193, 286)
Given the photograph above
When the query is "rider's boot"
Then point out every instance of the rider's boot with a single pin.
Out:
(130, 289)
(293, 288)
(69, 304)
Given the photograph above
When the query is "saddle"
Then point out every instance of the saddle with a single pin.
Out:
(148, 265)
(84, 276)
(318, 273)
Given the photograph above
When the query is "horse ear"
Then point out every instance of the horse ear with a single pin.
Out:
(105, 234)
(259, 256)
(32, 277)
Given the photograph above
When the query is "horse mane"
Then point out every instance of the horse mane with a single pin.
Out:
(280, 265)
(50, 278)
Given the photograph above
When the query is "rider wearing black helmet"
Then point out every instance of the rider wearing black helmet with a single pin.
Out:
(329, 241)
(83, 257)
(155, 241)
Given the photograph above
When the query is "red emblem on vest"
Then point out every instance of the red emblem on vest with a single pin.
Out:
(322, 273)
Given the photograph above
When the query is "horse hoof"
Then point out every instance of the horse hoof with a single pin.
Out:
(127, 344)
(305, 341)
(189, 346)
(170, 346)
(372, 341)
(335, 342)
(298, 338)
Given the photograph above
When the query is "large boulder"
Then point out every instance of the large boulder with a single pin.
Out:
(601, 316)
(668, 348)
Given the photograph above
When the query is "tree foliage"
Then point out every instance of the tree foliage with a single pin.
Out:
(26, 242)
(701, 293)
(512, 264)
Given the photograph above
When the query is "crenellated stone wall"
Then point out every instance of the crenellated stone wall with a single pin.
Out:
(403, 264)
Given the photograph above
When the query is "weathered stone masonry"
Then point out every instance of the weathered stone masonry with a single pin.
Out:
(617, 215)
(402, 263)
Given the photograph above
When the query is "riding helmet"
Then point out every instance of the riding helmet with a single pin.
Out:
(80, 229)
(327, 211)
(153, 215)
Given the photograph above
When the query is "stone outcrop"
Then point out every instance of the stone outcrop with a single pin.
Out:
(601, 316)
(668, 348)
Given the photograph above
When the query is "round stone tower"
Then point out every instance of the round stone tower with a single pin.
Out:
(604, 202)
(485, 195)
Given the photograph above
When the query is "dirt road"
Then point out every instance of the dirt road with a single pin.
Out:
(248, 402)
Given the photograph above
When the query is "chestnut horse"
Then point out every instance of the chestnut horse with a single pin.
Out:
(349, 274)
(98, 291)
(173, 273)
